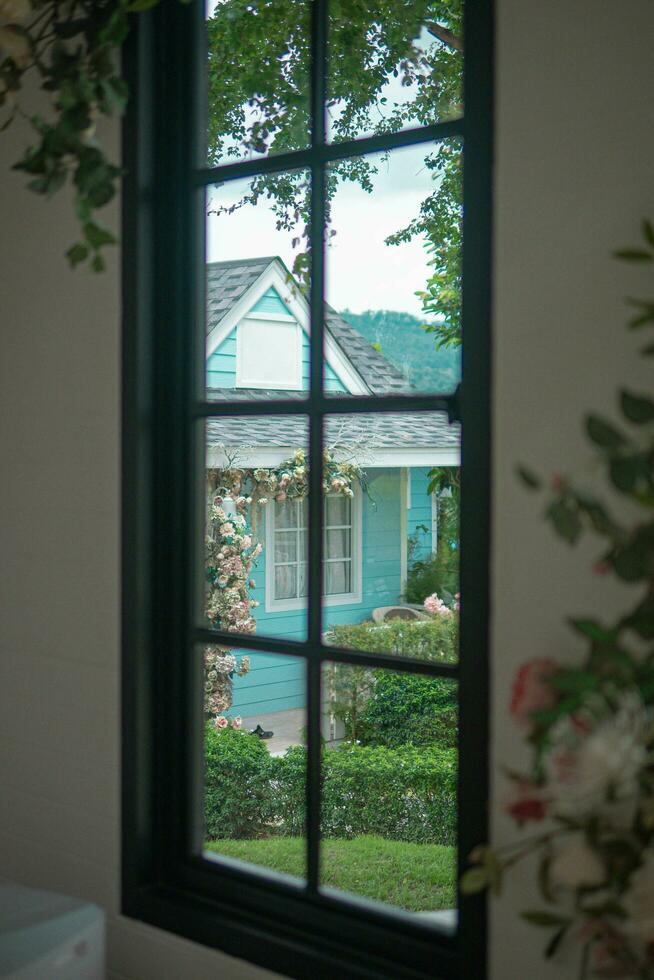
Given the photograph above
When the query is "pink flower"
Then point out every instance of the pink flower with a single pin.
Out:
(531, 692)
(221, 722)
(528, 802)
(434, 605)
(237, 722)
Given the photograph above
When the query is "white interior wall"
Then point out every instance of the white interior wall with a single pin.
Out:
(573, 179)
(575, 136)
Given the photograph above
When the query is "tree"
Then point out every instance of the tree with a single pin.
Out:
(259, 59)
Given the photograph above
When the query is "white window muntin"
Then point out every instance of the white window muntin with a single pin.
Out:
(286, 551)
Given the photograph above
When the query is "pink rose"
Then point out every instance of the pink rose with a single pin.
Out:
(527, 802)
(221, 722)
(237, 722)
(531, 692)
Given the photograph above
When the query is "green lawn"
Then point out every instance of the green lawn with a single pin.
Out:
(416, 877)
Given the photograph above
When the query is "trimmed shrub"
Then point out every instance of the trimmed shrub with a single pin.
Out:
(237, 788)
(384, 707)
(404, 794)
(407, 709)
(435, 639)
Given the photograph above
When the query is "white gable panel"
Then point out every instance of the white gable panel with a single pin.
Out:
(268, 354)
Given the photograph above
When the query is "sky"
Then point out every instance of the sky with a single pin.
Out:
(362, 272)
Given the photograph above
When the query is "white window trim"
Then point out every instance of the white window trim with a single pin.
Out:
(289, 384)
(352, 598)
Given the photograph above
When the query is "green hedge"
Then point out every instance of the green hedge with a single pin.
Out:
(407, 709)
(404, 794)
(237, 796)
(391, 708)
(434, 639)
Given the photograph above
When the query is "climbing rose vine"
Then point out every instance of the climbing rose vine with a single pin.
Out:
(230, 555)
(231, 551)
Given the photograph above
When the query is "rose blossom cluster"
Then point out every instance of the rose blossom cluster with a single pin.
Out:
(593, 782)
(221, 722)
(434, 605)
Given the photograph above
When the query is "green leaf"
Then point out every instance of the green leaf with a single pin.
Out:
(97, 236)
(545, 919)
(529, 478)
(574, 681)
(474, 880)
(637, 408)
(624, 473)
(555, 941)
(633, 255)
(77, 253)
(603, 434)
(565, 519)
(641, 620)
(593, 630)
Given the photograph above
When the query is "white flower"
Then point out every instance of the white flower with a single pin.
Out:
(576, 865)
(592, 764)
(15, 46)
(638, 901)
(15, 11)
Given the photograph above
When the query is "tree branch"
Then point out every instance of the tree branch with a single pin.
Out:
(445, 35)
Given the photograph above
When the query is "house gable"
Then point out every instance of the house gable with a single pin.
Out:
(262, 341)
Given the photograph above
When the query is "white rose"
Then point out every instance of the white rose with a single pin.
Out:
(15, 11)
(602, 765)
(15, 46)
(577, 865)
(638, 901)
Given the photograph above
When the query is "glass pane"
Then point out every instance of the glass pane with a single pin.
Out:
(257, 307)
(337, 510)
(393, 66)
(285, 546)
(286, 582)
(402, 470)
(337, 578)
(389, 811)
(338, 544)
(258, 78)
(256, 478)
(303, 579)
(255, 717)
(286, 514)
(393, 272)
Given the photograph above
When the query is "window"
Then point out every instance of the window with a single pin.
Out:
(286, 543)
(268, 354)
(302, 919)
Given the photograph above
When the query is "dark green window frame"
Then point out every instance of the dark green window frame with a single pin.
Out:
(296, 930)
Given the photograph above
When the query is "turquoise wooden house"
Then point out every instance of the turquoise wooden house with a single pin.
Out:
(258, 349)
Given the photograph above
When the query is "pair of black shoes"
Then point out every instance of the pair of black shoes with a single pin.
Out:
(260, 733)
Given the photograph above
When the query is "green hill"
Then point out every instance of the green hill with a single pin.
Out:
(405, 344)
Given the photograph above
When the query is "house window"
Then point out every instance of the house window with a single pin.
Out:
(268, 354)
(301, 139)
(287, 544)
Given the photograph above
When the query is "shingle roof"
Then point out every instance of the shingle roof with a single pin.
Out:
(370, 431)
(227, 282)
